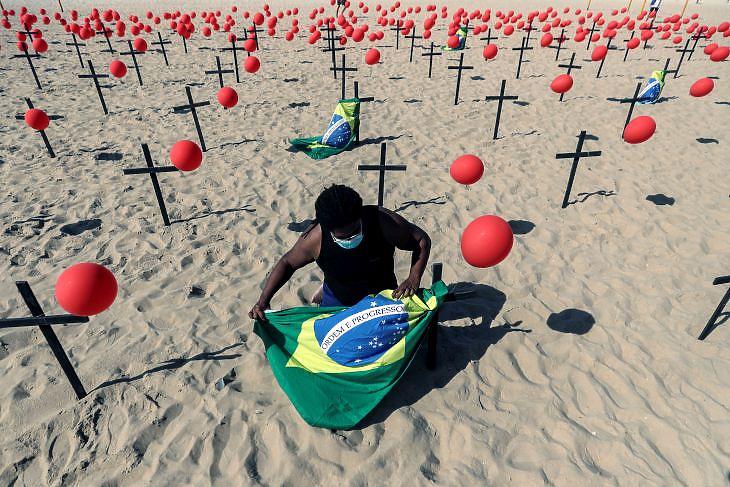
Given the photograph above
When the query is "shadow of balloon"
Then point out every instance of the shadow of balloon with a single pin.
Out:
(573, 321)
(521, 227)
(660, 199)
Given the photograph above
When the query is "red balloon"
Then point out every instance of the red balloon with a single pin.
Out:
(486, 241)
(702, 87)
(227, 97)
(453, 42)
(40, 45)
(639, 130)
(252, 64)
(140, 44)
(599, 52)
(186, 155)
(86, 289)
(633, 43)
(250, 44)
(546, 39)
(118, 69)
(372, 56)
(490, 51)
(467, 169)
(37, 119)
(709, 48)
(720, 54)
(562, 83)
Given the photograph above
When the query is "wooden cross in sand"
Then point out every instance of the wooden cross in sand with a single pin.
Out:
(696, 37)
(430, 55)
(489, 37)
(332, 48)
(382, 167)
(30, 58)
(219, 71)
(560, 40)
(681, 58)
(152, 171)
(42, 132)
(234, 49)
(133, 52)
(626, 50)
(365, 99)
(460, 67)
(571, 66)
(522, 49)
(76, 44)
(576, 156)
(397, 30)
(103, 32)
(44, 323)
(162, 44)
(713, 322)
(412, 37)
(590, 35)
(344, 70)
(500, 100)
(192, 105)
(96, 77)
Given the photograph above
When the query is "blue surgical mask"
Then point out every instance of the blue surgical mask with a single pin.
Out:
(349, 243)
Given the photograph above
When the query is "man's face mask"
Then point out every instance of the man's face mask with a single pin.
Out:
(349, 243)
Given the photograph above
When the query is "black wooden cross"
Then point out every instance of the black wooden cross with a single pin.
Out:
(571, 66)
(382, 168)
(235, 50)
(60, 5)
(365, 99)
(696, 37)
(667, 70)
(430, 55)
(528, 29)
(255, 31)
(162, 43)
(220, 72)
(76, 44)
(103, 32)
(332, 48)
(522, 49)
(714, 322)
(185, 43)
(43, 132)
(500, 100)
(343, 69)
(96, 77)
(152, 171)
(460, 67)
(683, 51)
(626, 51)
(489, 37)
(413, 38)
(30, 57)
(576, 156)
(132, 52)
(600, 66)
(191, 106)
(560, 41)
(633, 101)
(44, 323)
(397, 30)
(590, 35)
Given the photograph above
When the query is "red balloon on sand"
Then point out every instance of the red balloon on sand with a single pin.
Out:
(186, 155)
(701, 87)
(467, 169)
(562, 83)
(252, 64)
(86, 289)
(37, 119)
(486, 241)
(118, 69)
(227, 97)
(639, 130)
(140, 44)
(720, 54)
(599, 52)
(372, 56)
(490, 51)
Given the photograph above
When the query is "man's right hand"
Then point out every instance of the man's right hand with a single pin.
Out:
(257, 312)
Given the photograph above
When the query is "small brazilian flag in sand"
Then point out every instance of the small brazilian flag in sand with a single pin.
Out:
(336, 364)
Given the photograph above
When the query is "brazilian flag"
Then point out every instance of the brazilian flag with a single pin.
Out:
(335, 363)
(461, 35)
(340, 134)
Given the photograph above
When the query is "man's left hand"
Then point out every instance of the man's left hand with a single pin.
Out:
(407, 288)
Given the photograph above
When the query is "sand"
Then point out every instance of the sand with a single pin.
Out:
(575, 362)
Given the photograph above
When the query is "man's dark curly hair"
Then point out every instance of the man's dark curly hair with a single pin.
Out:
(338, 206)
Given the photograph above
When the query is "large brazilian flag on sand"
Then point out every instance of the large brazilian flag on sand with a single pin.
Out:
(336, 364)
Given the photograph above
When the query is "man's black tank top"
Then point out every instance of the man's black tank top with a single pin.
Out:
(366, 269)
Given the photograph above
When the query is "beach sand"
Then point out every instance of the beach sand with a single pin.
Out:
(575, 362)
